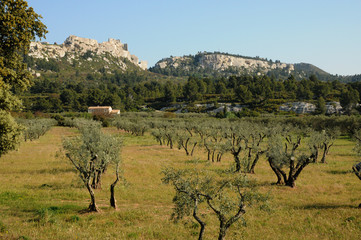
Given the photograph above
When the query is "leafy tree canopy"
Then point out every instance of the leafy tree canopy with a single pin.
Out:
(19, 24)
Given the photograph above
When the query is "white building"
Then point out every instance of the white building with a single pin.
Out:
(106, 110)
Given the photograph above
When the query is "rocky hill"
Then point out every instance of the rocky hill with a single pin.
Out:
(78, 49)
(224, 64)
(82, 58)
(87, 61)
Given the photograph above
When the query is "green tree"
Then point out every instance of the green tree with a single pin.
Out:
(348, 100)
(227, 196)
(320, 106)
(68, 97)
(10, 132)
(244, 94)
(189, 186)
(323, 140)
(95, 97)
(169, 93)
(357, 167)
(221, 87)
(19, 24)
(191, 90)
(284, 156)
(90, 153)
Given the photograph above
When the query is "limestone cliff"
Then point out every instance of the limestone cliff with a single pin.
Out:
(222, 63)
(74, 46)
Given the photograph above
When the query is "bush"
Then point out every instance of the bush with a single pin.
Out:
(60, 119)
(103, 119)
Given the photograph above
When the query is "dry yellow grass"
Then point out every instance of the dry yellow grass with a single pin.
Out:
(41, 197)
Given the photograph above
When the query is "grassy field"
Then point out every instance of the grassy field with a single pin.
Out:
(41, 197)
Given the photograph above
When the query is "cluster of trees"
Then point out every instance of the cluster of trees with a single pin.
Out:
(35, 128)
(248, 141)
(258, 90)
(135, 126)
(42, 64)
(288, 146)
(261, 93)
(199, 188)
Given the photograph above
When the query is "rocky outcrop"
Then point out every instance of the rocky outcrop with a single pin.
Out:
(298, 107)
(74, 46)
(304, 107)
(222, 62)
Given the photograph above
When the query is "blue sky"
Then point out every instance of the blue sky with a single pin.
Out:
(326, 33)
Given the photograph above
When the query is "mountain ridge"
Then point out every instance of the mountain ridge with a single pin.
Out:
(218, 64)
(87, 56)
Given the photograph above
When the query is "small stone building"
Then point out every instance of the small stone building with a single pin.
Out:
(103, 110)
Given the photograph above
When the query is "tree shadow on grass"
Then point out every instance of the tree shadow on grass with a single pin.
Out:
(339, 172)
(269, 183)
(321, 206)
(53, 186)
(53, 171)
(50, 214)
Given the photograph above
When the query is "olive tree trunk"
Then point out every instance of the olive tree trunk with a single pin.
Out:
(113, 201)
(201, 223)
(326, 149)
(92, 206)
(280, 176)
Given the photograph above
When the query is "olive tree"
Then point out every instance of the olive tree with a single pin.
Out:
(228, 199)
(164, 133)
(329, 137)
(88, 127)
(212, 139)
(236, 142)
(225, 195)
(90, 153)
(186, 141)
(34, 128)
(323, 141)
(189, 186)
(357, 167)
(215, 143)
(245, 144)
(284, 156)
(253, 135)
(186, 137)
(111, 154)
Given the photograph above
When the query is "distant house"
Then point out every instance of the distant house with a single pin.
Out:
(106, 110)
